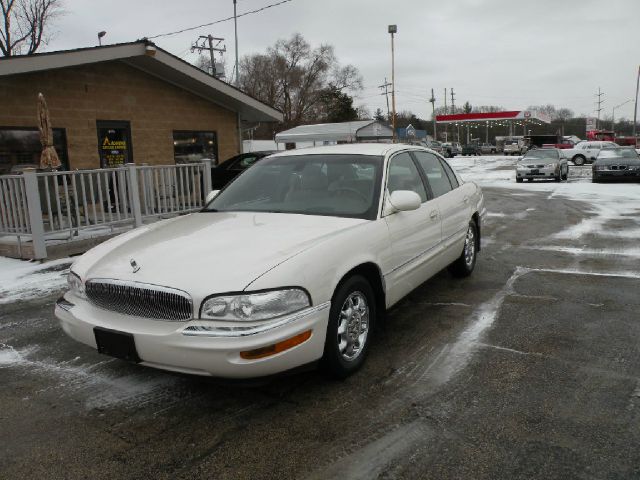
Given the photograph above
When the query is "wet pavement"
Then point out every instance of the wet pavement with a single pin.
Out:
(527, 369)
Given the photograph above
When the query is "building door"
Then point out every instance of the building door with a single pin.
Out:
(114, 143)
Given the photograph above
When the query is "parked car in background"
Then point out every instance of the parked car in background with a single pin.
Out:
(450, 150)
(622, 163)
(471, 149)
(435, 146)
(231, 168)
(323, 241)
(586, 151)
(542, 163)
(514, 147)
(488, 148)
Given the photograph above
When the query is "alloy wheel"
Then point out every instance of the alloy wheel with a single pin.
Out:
(353, 326)
(470, 247)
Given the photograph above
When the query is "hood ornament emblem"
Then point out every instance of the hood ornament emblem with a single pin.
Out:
(134, 265)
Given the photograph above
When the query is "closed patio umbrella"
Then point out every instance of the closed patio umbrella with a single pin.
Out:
(49, 157)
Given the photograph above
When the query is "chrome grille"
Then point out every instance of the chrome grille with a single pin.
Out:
(140, 299)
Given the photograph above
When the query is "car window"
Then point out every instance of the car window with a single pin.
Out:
(452, 176)
(245, 162)
(436, 175)
(404, 175)
(332, 184)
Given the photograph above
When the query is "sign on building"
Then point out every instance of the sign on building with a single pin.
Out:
(592, 123)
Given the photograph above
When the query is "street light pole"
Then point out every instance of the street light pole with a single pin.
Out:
(613, 113)
(635, 110)
(393, 29)
(235, 26)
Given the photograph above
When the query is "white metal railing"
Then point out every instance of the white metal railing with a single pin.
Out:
(43, 205)
(14, 217)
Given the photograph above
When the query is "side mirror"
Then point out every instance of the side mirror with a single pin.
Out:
(405, 200)
(212, 194)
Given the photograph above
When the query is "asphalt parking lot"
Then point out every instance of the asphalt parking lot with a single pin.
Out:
(527, 369)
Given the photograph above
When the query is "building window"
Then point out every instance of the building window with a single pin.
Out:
(192, 146)
(20, 148)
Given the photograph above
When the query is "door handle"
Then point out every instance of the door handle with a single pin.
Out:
(465, 199)
(433, 215)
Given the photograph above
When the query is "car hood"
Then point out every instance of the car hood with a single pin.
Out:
(617, 161)
(209, 252)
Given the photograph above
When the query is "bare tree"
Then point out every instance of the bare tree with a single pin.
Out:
(294, 77)
(24, 25)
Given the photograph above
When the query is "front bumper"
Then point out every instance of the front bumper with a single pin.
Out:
(176, 346)
(545, 172)
(616, 174)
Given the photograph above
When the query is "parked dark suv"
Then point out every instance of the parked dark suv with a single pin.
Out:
(231, 168)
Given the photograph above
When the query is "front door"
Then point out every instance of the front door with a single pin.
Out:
(114, 143)
(415, 235)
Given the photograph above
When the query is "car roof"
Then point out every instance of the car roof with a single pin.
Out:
(378, 149)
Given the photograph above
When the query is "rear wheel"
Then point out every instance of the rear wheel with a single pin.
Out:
(464, 265)
(352, 316)
(578, 160)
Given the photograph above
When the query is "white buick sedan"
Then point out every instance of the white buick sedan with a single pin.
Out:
(293, 262)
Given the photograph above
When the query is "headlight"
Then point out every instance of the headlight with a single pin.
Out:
(553, 165)
(75, 285)
(598, 167)
(258, 306)
(634, 167)
(521, 167)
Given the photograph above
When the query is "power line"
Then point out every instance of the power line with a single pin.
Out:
(219, 21)
(386, 86)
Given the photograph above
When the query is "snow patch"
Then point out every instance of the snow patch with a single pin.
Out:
(22, 280)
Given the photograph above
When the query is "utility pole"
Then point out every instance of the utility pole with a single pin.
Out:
(599, 109)
(635, 110)
(433, 109)
(207, 44)
(453, 102)
(386, 86)
(235, 29)
(445, 111)
(453, 112)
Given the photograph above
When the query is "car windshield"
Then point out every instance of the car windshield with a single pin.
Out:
(541, 154)
(335, 185)
(618, 152)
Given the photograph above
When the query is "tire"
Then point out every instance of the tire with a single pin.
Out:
(558, 177)
(519, 180)
(578, 160)
(466, 262)
(565, 177)
(343, 359)
(595, 179)
(529, 179)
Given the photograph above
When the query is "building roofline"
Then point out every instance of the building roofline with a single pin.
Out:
(129, 53)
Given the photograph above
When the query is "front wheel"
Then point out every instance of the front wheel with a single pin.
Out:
(578, 160)
(351, 318)
(519, 180)
(464, 265)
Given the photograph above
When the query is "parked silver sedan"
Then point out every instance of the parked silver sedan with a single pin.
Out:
(543, 163)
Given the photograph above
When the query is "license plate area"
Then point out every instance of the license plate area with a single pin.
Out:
(116, 344)
(535, 171)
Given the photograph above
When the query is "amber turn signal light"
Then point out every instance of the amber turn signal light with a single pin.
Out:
(276, 347)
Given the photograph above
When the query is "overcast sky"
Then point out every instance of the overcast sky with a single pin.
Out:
(511, 53)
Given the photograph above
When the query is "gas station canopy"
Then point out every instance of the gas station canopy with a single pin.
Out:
(528, 116)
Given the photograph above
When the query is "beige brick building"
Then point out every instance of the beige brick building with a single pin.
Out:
(117, 104)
